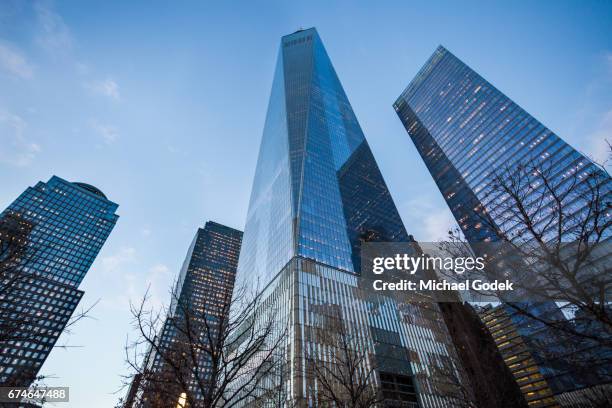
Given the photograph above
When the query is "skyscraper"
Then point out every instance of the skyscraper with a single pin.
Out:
(317, 195)
(204, 283)
(64, 226)
(470, 135)
(519, 357)
(466, 131)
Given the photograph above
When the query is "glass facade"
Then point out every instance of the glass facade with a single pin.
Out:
(317, 195)
(517, 354)
(317, 187)
(205, 281)
(70, 223)
(467, 131)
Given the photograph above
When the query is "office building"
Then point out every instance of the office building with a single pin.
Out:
(518, 356)
(470, 136)
(317, 196)
(202, 291)
(62, 227)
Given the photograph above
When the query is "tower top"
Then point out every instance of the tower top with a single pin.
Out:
(90, 188)
(300, 30)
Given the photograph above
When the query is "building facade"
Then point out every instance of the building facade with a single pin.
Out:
(67, 225)
(467, 131)
(470, 136)
(518, 356)
(317, 196)
(203, 290)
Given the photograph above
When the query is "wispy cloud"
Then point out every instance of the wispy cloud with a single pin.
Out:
(591, 127)
(82, 68)
(436, 224)
(113, 263)
(597, 147)
(125, 270)
(157, 279)
(14, 62)
(54, 35)
(15, 148)
(174, 150)
(109, 134)
(107, 87)
(118, 268)
(427, 221)
(155, 283)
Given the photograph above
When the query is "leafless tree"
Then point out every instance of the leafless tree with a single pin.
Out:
(14, 258)
(342, 366)
(20, 318)
(221, 354)
(599, 397)
(559, 225)
(452, 387)
(555, 228)
(481, 378)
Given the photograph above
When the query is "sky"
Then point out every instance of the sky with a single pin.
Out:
(161, 105)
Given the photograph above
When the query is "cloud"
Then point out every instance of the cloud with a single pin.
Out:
(107, 87)
(597, 143)
(117, 268)
(109, 134)
(81, 68)
(437, 224)
(124, 270)
(15, 148)
(54, 35)
(112, 263)
(427, 221)
(12, 61)
(174, 150)
(157, 274)
(157, 281)
(592, 127)
(608, 59)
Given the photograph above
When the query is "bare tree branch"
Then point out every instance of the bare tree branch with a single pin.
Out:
(219, 355)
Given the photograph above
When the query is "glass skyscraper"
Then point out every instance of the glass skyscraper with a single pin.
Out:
(517, 353)
(467, 131)
(205, 281)
(317, 195)
(68, 224)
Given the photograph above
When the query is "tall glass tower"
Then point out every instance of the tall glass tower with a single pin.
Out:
(467, 131)
(317, 195)
(67, 225)
(205, 281)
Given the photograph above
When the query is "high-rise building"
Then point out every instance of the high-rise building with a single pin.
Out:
(481, 358)
(317, 196)
(66, 225)
(518, 356)
(468, 133)
(203, 290)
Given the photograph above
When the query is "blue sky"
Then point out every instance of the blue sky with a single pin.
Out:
(161, 105)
